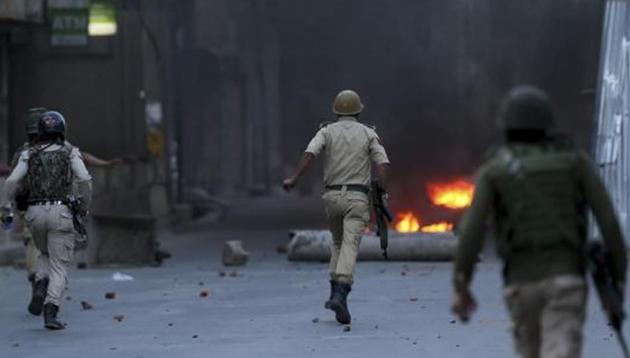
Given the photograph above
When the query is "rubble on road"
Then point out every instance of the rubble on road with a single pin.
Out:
(234, 253)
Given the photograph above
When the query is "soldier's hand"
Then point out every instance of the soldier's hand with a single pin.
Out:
(289, 184)
(464, 305)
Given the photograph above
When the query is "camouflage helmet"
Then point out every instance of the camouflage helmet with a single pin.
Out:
(347, 103)
(526, 107)
(51, 122)
(31, 120)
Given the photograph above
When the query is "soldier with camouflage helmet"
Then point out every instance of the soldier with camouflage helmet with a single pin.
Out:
(47, 171)
(348, 147)
(538, 190)
(31, 121)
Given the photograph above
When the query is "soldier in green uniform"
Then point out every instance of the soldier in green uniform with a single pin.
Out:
(348, 147)
(46, 171)
(538, 190)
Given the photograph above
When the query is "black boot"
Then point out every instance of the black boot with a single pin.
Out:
(50, 317)
(339, 303)
(38, 296)
(333, 284)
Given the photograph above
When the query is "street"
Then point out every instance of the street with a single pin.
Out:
(269, 308)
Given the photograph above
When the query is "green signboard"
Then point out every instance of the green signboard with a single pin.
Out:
(102, 18)
(69, 26)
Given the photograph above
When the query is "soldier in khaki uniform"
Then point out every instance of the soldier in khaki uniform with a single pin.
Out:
(348, 147)
(31, 129)
(538, 189)
(47, 171)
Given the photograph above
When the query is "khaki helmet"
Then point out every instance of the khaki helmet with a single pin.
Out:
(31, 121)
(526, 107)
(347, 103)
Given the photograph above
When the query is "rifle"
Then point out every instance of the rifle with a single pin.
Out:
(78, 219)
(382, 214)
(608, 291)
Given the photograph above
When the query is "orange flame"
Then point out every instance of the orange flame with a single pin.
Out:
(454, 195)
(439, 227)
(407, 222)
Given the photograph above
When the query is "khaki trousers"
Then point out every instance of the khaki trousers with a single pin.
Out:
(52, 229)
(548, 316)
(348, 215)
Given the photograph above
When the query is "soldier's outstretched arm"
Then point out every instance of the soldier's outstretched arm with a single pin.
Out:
(598, 199)
(315, 146)
(471, 229)
(303, 165)
(82, 178)
(471, 237)
(94, 161)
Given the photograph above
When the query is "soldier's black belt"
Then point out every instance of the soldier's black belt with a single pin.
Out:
(351, 187)
(46, 202)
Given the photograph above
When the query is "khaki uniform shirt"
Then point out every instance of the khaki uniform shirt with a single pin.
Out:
(348, 146)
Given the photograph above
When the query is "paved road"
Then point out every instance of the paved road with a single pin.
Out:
(273, 308)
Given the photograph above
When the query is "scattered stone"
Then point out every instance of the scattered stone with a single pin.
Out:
(315, 320)
(382, 271)
(119, 318)
(282, 248)
(234, 274)
(403, 273)
(453, 321)
(234, 254)
(16, 345)
(82, 265)
(195, 336)
(110, 295)
(414, 299)
(68, 298)
(347, 329)
(113, 348)
(170, 325)
(86, 306)
(439, 337)
(423, 307)
(457, 345)
(376, 327)
(221, 273)
(201, 283)
(204, 294)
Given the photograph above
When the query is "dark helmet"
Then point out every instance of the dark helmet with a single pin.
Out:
(51, 123)
(526, 107)
(31, 120)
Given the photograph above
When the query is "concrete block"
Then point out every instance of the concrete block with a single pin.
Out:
(234, 254)
(123, 239)
(315, 245)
